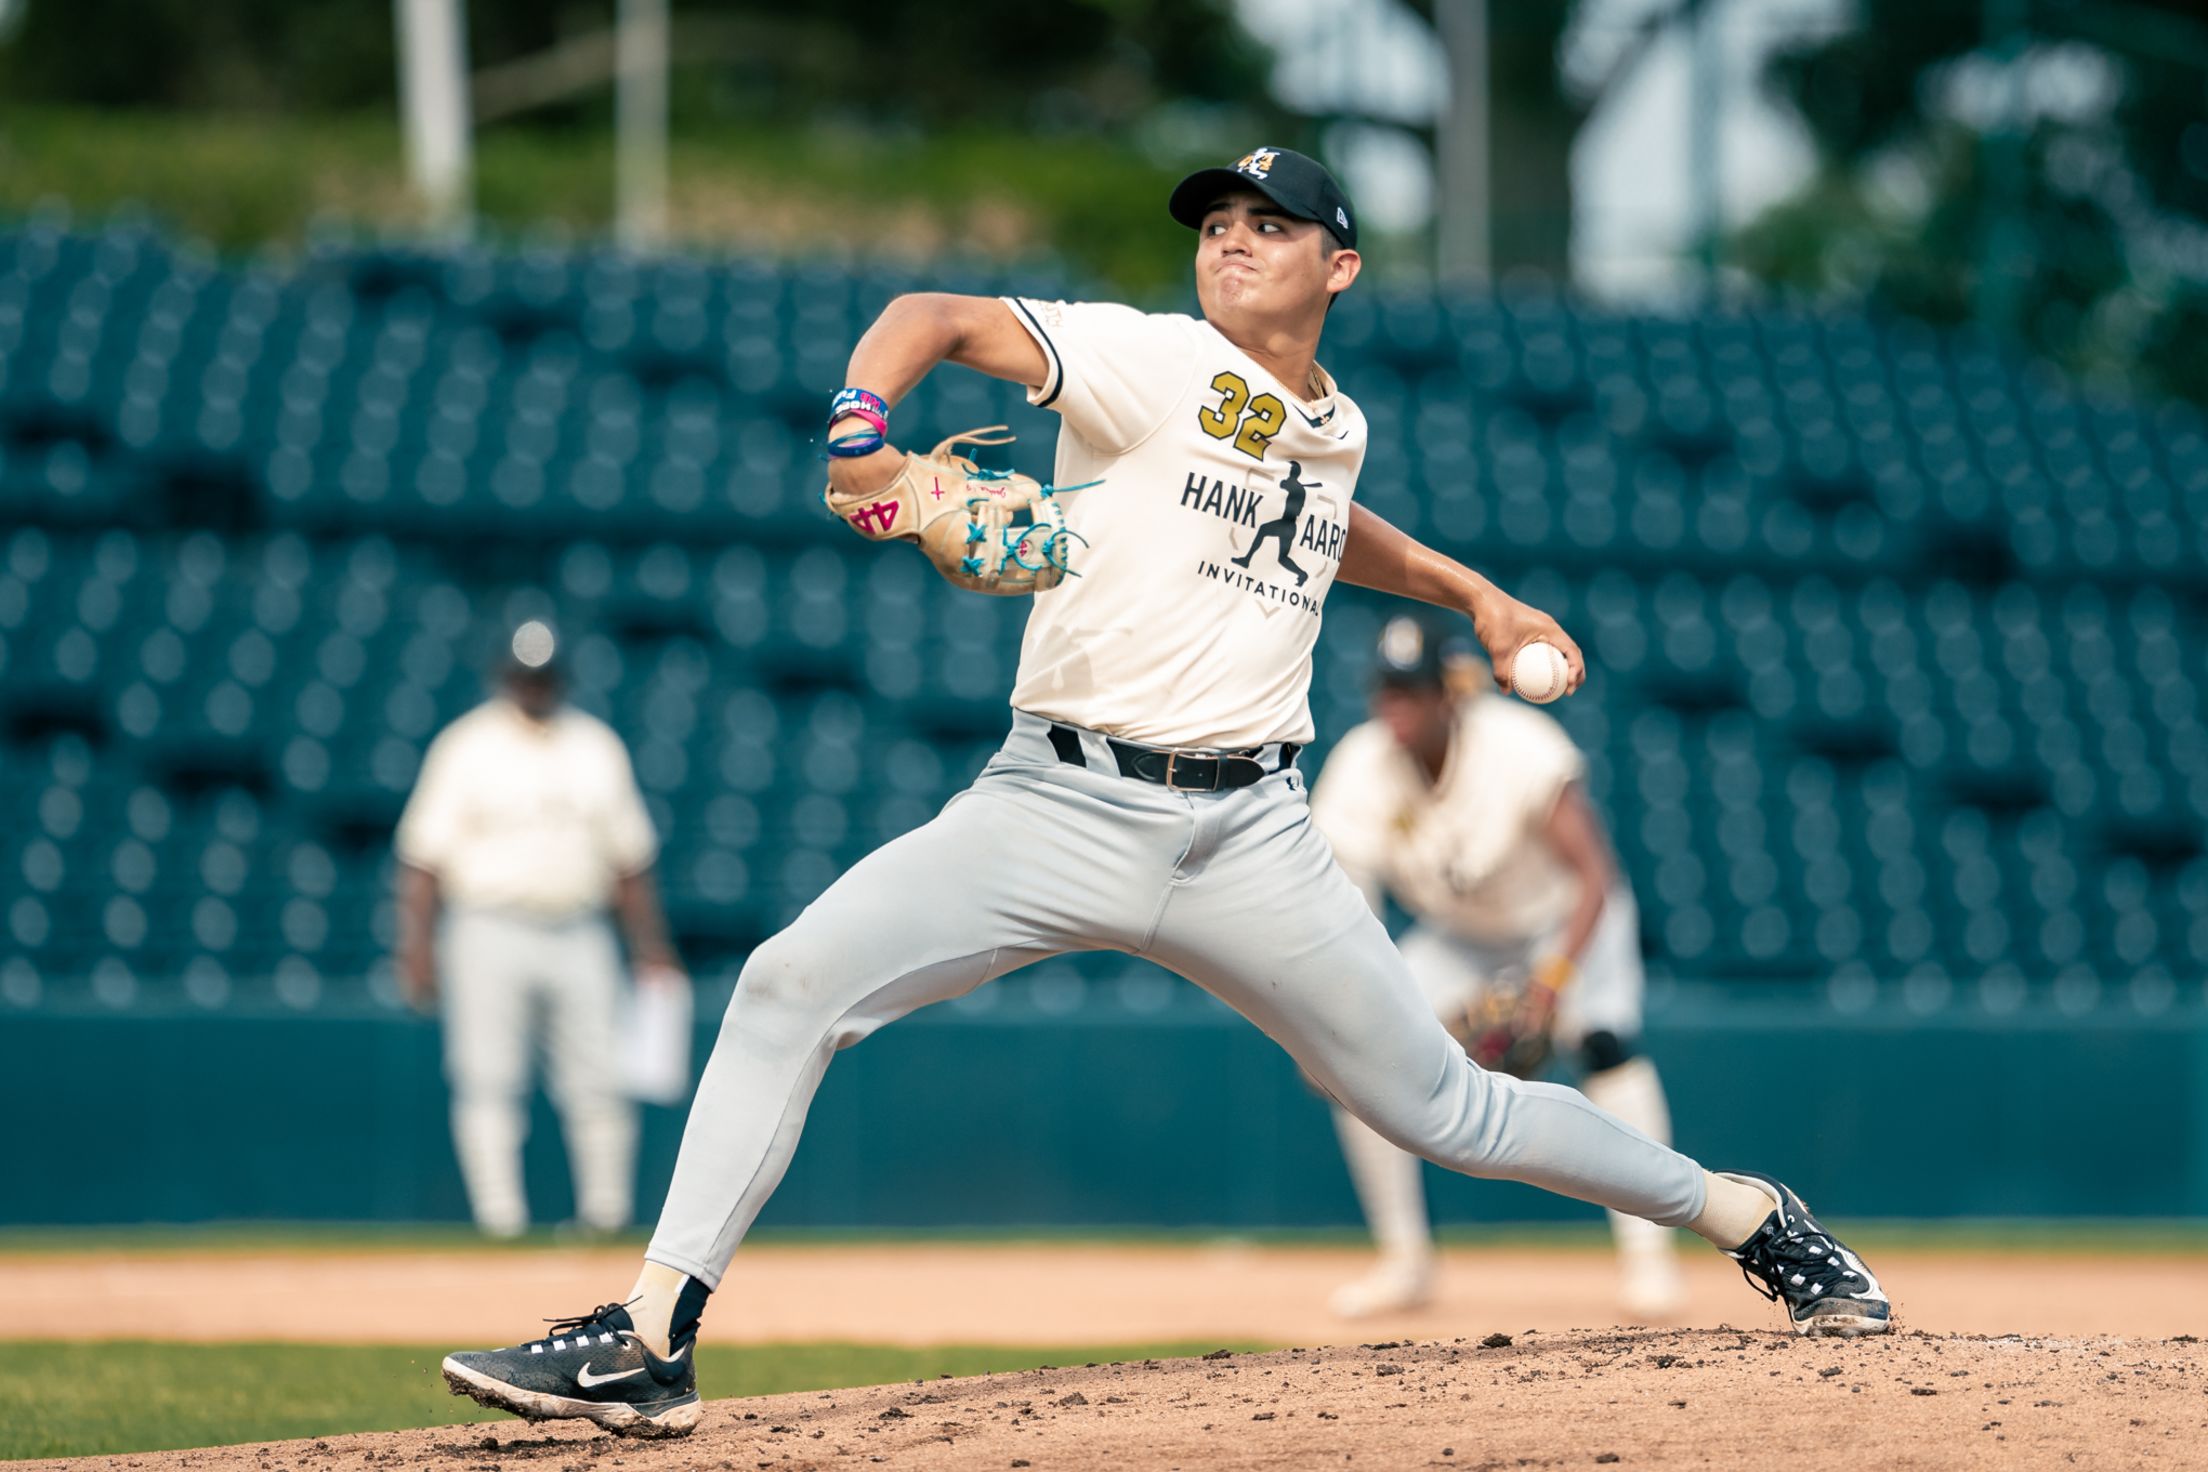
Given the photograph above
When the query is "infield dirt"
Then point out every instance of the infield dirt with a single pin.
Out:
(922, 1293)
(1697, 1398)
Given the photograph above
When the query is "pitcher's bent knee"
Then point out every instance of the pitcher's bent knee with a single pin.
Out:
(792, 970)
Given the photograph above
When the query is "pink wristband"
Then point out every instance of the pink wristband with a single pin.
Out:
(878, 422)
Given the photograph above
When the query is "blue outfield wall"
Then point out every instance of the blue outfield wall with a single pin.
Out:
(1011, 1115)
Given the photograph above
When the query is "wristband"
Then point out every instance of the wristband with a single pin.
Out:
(866, 417)
(858, 442)
(868, 406)
(1554, 973)
(870, 410)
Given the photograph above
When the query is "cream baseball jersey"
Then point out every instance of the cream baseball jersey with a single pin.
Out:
(1211, 540)
(529, 816)
(1465, 852)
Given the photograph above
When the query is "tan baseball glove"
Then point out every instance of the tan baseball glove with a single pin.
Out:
(994, 531)
(1507, 1028)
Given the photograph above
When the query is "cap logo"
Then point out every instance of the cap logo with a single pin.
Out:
(1402, 642)
(1257, 163)
(1341, 217)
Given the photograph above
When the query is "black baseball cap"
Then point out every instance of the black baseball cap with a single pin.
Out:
(1300, 185)
(1415, 654)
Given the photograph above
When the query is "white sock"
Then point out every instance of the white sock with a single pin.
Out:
(1734, 1210)
(601, 1150)
(652, 1305)
(488, 1127)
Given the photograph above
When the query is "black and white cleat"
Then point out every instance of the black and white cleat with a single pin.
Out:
(592, 1368)
(1826, 1288)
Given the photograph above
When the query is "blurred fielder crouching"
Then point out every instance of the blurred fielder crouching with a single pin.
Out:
(524, 830)
(1470, 809)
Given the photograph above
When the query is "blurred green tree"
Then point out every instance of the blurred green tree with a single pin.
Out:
(1072, 64)
(2040, 165)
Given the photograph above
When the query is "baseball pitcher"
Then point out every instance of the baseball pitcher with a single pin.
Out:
(1147, 798)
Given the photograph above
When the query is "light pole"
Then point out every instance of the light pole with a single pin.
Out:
(433, 110)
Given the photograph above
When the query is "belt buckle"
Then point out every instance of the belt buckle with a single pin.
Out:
(1172, 786)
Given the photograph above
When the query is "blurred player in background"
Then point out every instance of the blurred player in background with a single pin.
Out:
(1473, 813)
(524, 829)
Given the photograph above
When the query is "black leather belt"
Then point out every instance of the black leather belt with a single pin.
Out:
(1178, 771)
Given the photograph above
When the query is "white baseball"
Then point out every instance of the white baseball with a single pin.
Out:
(1539, 673)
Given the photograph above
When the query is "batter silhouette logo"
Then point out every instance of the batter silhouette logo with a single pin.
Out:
(1307, 534)
(1282, 528)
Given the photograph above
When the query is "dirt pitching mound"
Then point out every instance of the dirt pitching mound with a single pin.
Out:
(1632, 1398)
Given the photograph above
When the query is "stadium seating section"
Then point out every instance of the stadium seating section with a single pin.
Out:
(1898, 642)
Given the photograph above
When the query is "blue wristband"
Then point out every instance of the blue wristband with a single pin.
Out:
(858, 442)
(859, 401)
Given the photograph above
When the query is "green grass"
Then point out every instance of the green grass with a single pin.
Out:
(60, 1400)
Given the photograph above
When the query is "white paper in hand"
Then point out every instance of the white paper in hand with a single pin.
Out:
(655, 1048)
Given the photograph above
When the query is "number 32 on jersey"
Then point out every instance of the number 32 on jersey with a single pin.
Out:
(1251, 431)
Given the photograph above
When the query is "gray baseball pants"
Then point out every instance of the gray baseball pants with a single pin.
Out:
(511, 981)
(1236, 891)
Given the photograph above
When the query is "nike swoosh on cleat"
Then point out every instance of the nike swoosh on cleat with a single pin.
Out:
(584, 1378)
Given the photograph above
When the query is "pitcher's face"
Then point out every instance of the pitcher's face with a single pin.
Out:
(1258, 266)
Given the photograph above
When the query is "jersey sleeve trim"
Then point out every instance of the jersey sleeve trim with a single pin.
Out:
(1055, 380)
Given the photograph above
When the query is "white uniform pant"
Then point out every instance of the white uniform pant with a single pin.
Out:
(1451, 972)
(511, 981)
(1236, 891)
